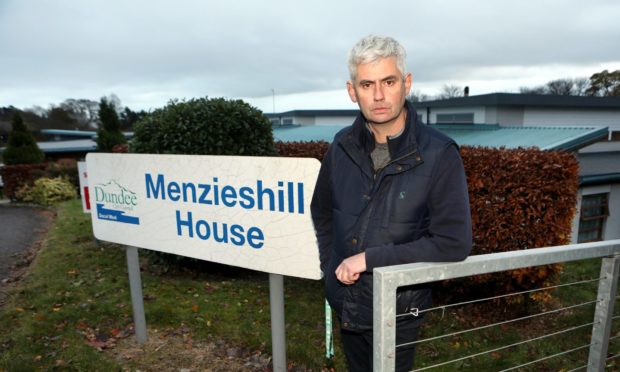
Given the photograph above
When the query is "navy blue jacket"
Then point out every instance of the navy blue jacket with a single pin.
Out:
(415, 209)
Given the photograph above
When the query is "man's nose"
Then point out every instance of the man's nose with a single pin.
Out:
(378, 92)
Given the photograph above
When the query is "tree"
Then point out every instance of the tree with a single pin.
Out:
(605, 84)
(416, 96)
(450, 91)
(580, 86)
(109, 132)
(82, 111)
(128, 118)
(535, 90)
(21, 147)
(59, 118)
(204, 126)
(561, 87)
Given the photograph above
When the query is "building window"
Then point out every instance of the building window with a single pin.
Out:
(594, 212)
(463, 118)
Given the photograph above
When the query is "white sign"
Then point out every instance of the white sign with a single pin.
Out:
(83, 176)
(251, 212)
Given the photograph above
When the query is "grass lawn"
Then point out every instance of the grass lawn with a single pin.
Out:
(73, 311)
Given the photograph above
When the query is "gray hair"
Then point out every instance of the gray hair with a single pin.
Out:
(371, 48)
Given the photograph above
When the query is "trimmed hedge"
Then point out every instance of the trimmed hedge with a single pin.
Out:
(312, 149)
(520, 198)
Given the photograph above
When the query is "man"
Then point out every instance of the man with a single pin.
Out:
(390, 191)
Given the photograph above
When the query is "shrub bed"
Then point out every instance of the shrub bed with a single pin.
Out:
(15, 177)
(19, 175)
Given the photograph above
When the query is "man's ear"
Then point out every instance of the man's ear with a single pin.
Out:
(408, 82)
(351, 90)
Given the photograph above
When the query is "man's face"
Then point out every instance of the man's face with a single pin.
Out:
(380, 91)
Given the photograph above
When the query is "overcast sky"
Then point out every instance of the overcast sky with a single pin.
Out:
(149, 51)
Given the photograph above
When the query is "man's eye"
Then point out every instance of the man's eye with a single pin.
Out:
(390, 83)
(366, 85)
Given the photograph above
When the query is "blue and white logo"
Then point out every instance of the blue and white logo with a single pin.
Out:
(114, 202)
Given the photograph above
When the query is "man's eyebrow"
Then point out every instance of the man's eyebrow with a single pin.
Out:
(391, 77)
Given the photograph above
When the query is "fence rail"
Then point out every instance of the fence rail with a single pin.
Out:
(388, 279)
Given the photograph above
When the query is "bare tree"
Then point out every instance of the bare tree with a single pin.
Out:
(417, 96)
(450, 91)
(561, 87)
(535, 90)
(581, 86)
(83, 111)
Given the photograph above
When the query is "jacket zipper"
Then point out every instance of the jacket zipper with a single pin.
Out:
(362, 237)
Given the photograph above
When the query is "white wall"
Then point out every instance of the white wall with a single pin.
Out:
(304, 120)
(612, 227)
(506, 116)
(572, 117)
(335, 120)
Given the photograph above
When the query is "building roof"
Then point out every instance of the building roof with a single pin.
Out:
(313, 113)
(545, 138)
(69, 133)
(68, 146)
(516, 99)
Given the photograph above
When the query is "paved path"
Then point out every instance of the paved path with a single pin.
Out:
(20, 228)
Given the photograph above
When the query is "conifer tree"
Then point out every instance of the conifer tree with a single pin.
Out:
(109, 132)
(21, 148)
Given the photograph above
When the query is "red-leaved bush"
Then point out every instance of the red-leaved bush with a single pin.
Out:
(520, 199)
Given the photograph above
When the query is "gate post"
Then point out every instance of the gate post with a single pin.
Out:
(603, 313)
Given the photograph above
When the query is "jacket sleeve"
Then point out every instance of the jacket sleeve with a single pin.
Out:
(321, 209)
(450, 233)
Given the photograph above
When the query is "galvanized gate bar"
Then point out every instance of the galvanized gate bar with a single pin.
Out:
(387, 279)
(603, 313)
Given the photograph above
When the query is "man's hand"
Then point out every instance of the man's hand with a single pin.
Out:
(349, 270)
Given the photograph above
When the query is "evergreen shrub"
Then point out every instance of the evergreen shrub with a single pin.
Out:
(204, 126)
(47, 191)
(109, 133)
(21, 147)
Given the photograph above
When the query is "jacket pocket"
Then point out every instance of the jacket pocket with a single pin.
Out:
(412, 300)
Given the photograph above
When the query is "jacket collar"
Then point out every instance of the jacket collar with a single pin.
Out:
(359, 141)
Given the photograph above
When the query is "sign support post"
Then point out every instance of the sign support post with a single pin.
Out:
(278, 329)
(135, 287)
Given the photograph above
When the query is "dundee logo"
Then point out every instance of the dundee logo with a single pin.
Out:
(114, 201)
